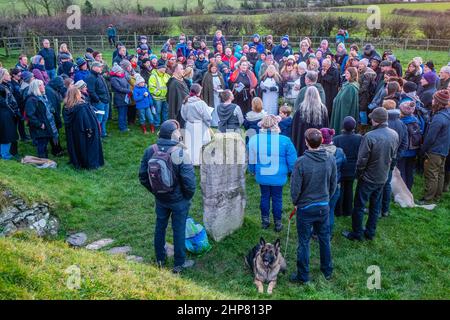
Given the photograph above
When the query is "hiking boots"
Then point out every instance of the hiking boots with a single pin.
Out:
(152, 128)
(265, 223)
(187, 264)
(278, 226)
(144, 129)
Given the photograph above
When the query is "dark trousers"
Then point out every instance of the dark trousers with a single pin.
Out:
(313, 219)
(387, 192)
(56, 147)
(22, 132)
(131, 114)
(434, 174)
(407, 168)
(179, 212)
(276, 194)
(366, 192)
(112, 40)
(344, 206)
(122, 118)
(41, 145)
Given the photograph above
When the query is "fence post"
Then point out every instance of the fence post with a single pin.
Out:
(5, 44)
(153, 42)
(85, 42)
(135, 40)
(103, 43)
(55, 42)
(428, 44)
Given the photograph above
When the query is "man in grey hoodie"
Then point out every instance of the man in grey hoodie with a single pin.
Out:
(313, 183)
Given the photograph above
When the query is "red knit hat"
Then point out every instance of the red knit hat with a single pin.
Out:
(327, 135)
(442, 96)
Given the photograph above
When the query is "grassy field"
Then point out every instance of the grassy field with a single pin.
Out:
(410, 245)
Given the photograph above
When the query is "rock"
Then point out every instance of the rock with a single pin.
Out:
(223, 184)
(9, 229)
(97, 245)
(119, 250)
(77, 239)
(170, 252)
(136, 259)
(8, 214)
(21, 216)
(52, 226)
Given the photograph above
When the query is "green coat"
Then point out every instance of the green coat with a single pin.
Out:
(345, 104)
(208, 88)
(301, 96)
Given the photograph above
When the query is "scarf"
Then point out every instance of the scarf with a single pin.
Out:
(39, 67)
(49, 115)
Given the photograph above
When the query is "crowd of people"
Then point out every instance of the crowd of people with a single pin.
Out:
(335, 116)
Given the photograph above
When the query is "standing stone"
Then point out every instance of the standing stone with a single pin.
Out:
(77, 239)
(223, 184)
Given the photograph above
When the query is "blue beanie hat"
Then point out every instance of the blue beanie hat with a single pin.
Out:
(286, 37)
(167, 129)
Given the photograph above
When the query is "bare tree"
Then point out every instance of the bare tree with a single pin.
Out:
(120, 6)
(31, 7)
(47, 5)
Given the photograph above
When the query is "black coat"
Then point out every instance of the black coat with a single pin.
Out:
(37, 116)
(8, 123)
(83, 137)
(55, 92)
(330, 84)
(349, 142)
(299, 127)
(98, 88)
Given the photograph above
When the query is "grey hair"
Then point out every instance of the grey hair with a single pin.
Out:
(327, 61)
(312, 76)
(312, 109)
(446, 69)
(364, 61)
(34, 87)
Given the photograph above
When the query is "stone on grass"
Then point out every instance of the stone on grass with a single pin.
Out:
(119, 250)
(97, 245)
(77, 239)
(223, 184)
(170, 251)
(135, 259)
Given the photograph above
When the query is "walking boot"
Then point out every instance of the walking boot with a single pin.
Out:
(152, 128)
(278, 226)
(265, 223)
(144, 129)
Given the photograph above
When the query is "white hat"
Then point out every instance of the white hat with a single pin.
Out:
(139, 78)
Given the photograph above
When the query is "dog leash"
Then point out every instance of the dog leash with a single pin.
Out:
(289, 230)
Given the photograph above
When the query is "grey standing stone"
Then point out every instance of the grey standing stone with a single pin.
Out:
(77, 239)
(97, 245)
(120, 250)
(223, 184)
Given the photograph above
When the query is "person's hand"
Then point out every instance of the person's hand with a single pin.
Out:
(297, 87)
(145, 94)
(42, 126)
(252, 91)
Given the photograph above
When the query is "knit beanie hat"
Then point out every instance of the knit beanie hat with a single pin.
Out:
(116, 69)
(139, 79)
(327, 135)
(167, 129)
(97, 64)
(153, 56)
(407, 108)
(270, 123)
(431, 77)
(409, 86)
(442, 96)
(80, 61)
(430, 65)
(26, 76)
(285, 37)
(161, 64)
(349, 124)
(124, 64)
(80, 84)
(36, 59)
(379, 115)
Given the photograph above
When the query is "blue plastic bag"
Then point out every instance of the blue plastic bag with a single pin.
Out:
(196, 238)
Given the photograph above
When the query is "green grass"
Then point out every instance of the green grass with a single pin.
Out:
(410, 247)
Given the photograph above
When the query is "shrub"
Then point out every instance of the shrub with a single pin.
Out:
(398, 27)
(236, 26)
(197, 24)
(347, 23)
(436, 28)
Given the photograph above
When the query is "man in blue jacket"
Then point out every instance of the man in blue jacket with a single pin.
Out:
(174, 204)
(279, 51)
(49, 57)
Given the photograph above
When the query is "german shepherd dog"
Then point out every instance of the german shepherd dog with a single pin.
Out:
(266, 262)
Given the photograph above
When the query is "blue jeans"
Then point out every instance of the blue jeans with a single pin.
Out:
(102, 118)
(41, 145)
(366, 192)
(145, 115)
(333, 202)
(313, 219)
(179, 212)
(276, 194)
(162, 112)
(123, 111)
(387, 191)
(51, 74)
(4, 151)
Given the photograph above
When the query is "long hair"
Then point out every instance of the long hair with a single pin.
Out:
(73, 97)
(195, 91)
(312, 110)
(276, 75)
(34, 87)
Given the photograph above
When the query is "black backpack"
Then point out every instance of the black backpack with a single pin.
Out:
(161, 172)
(414, 135)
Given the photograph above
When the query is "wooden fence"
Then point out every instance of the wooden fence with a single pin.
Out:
(78, 44)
